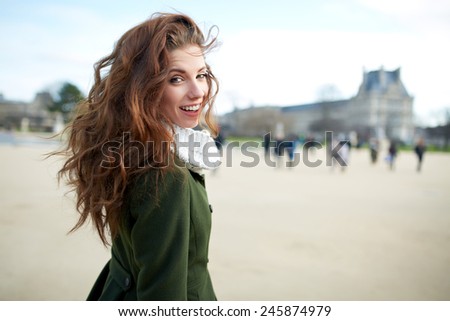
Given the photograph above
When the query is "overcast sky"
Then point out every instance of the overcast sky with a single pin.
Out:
(278, 52)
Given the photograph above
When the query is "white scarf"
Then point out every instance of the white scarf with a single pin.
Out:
(196, 148)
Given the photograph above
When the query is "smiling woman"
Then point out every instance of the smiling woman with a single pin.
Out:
(150, 202)
(183, 98)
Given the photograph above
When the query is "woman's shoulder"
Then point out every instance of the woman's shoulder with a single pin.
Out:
(157, 177)
(157, 189)
(154, 181)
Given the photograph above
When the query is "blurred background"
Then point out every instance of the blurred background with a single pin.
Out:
(277, 54)
(374, 73)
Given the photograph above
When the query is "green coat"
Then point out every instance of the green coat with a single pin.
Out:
(161, 252)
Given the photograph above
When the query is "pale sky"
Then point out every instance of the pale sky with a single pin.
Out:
(279, 52)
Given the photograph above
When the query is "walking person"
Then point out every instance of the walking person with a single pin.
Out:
(219, 141)
(392, 155)
(419, 150)
(374, 147)
(130, 163)
(290, 145)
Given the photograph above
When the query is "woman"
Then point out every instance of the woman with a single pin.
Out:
(135, 162)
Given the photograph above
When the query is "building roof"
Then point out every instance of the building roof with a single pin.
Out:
(380, 81)
(333, 104)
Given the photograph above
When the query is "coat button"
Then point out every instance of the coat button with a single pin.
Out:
(127, 282)
(210, 208)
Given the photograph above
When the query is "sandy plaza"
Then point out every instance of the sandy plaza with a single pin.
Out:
(300, 233)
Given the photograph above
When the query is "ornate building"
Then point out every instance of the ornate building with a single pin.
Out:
(382, 108)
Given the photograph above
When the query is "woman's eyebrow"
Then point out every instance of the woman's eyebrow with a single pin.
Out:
(182, 71)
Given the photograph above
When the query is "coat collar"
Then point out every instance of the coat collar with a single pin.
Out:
(196, 149)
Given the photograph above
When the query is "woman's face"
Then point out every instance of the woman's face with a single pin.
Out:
(186, 88)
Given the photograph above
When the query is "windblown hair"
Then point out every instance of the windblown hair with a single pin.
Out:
(122, 112)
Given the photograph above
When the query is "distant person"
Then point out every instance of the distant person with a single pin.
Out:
(291, 143)
(309, 145)
(419, 150)
(374, 146)
(280, 151)
(267, 145)
(145, 193)
(341, 153)
(392, 155)
(219, 141)
(345, 153)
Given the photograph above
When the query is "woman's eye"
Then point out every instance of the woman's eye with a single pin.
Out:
(176, 80)
(203, 75)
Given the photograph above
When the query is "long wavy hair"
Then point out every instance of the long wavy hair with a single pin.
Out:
(121, 112)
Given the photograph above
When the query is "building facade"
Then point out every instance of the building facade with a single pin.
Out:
(34, 116)
(382, 108)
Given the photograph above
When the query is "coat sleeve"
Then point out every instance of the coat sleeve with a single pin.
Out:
(160, 238)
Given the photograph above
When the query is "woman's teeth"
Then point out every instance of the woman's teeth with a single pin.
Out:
(191, 108)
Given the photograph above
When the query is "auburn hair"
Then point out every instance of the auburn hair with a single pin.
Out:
(121, 112)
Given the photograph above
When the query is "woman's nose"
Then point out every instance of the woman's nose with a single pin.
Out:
(196, 90)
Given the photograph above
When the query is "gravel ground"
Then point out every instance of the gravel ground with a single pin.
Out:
(300, 233)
